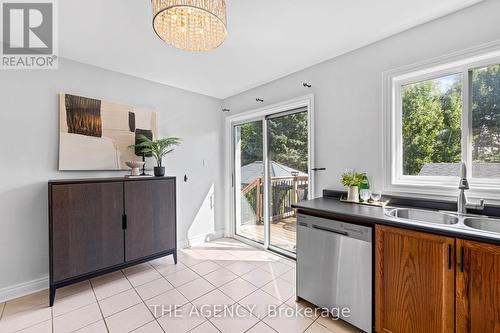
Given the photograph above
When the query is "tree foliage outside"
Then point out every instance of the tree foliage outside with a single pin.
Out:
(486, 114)
(288, 141)
(432, 112)
(251, 141)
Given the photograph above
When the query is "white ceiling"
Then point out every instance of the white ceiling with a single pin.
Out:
(267, 39)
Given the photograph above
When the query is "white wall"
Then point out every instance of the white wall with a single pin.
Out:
(29, 157)
(348, 89)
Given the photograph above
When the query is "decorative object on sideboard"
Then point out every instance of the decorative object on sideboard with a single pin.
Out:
(158, 149)
(190, 25)
(353, 181)
(95, 134)
(143, 173)
(139, 152)
(134, 166)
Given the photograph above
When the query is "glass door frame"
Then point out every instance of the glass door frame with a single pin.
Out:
(262, 114)
(268, 180)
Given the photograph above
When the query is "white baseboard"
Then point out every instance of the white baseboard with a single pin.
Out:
(33, 286)
(23, 289)
(200, 239)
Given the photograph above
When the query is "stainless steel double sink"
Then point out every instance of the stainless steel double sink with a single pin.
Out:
(449, 219)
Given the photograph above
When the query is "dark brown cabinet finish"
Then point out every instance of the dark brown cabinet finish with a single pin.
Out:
(87, 230)
(97, 226)
(150, 211)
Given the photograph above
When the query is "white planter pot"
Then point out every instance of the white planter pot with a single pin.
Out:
(353, 193)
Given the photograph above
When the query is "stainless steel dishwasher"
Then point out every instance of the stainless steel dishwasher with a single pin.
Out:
(334, 267)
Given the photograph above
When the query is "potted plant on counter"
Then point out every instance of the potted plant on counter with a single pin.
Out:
(158, 149)
(353, 180)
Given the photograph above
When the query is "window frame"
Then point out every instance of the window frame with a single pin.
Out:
(462, 63)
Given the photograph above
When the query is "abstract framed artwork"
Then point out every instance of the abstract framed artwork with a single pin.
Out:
(97, 135)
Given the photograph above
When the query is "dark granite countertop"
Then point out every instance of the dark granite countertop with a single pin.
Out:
(332, 208)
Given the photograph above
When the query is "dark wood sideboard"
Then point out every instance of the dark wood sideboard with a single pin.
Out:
(97, 226)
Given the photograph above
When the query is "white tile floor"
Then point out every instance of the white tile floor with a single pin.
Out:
(221, 273)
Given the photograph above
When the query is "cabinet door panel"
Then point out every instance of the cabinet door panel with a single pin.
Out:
(87, 230)
(478, 287)
(414, 285)
(150, 209)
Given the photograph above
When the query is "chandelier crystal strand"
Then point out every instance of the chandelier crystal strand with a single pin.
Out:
(192, 25)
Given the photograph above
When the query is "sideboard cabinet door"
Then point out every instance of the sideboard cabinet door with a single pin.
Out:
(150, 210)
(87, 232)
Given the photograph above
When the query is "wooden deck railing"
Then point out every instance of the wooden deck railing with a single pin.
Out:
(285, 191)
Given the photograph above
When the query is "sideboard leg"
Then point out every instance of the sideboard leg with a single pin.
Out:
(175, 256)
(52, 293)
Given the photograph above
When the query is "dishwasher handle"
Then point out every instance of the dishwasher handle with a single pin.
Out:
(343, 233)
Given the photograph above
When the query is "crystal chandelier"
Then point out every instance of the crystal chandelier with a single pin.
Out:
(192, 25)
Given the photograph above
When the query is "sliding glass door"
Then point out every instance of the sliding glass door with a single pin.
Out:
(271, 173)
(288, 182)
(249, 181)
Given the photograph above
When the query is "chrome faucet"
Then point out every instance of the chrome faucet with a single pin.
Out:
(462, 204)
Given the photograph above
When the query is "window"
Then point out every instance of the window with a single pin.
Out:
(440, 116)
(431, 120)
(485, 91)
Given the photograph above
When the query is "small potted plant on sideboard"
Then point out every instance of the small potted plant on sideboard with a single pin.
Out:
(158, 149)
(353, 180)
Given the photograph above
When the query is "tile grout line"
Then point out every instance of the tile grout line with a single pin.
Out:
(200, 295)
(143, 302)
(78, 308)
(149, 322)
(99, 305)
(184, 282)
(206, 321)
(261, 321)
(34, 324)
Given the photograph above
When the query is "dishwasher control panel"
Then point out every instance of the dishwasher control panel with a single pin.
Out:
(342, 228)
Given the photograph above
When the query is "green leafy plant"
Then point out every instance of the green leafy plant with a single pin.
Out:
(351, 178)
(158, 148)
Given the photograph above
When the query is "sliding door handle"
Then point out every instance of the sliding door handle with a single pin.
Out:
(318, 169)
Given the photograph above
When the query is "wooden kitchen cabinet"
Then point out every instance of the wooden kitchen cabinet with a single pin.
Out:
(478, 287)
(414, 282)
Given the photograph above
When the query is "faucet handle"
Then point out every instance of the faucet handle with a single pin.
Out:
(478, 206)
